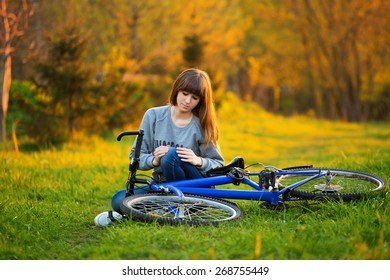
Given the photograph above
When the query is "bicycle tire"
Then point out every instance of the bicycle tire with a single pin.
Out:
(346, 185)
(168, 209)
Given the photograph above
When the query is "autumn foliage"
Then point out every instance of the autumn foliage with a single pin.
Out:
(327, 59)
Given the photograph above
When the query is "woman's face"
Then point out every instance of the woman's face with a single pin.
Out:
(187, 101)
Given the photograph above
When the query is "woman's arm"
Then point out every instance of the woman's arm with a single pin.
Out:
(211, 158)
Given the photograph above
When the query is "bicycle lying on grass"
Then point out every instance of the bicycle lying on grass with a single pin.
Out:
(202, 201)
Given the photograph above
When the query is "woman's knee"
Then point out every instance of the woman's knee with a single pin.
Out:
(171, 157)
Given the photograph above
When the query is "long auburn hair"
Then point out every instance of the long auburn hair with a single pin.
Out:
(198, 82)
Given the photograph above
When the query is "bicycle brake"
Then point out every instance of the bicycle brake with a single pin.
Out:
(163, 189)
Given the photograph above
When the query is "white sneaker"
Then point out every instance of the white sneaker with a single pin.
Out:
(107, 217)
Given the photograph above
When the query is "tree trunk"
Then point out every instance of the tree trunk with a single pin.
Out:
(6, 85)
(11, 29)
(244, 84)
(71, 116)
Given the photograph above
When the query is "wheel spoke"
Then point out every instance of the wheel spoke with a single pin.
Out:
(192, 209)
(344, 184)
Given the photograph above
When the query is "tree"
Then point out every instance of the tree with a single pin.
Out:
(193, 50)
(64, 75)
(338, 36)
(13, 26)
(323, 58)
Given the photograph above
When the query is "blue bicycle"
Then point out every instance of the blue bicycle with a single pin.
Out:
(203, 201)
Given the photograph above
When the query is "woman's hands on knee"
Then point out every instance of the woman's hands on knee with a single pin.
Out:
(188, 155)
(158, 153)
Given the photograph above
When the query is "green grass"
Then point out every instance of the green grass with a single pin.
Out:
(50, 198)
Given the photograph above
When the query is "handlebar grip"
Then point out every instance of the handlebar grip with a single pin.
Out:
(129, 133)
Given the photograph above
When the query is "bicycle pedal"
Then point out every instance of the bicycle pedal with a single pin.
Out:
(270, 206)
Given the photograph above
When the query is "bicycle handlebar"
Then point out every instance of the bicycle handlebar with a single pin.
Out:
(129, 133)
(135, 160)
(137, 151)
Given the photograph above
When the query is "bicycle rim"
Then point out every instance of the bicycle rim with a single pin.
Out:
(344, 184)
(170, 209)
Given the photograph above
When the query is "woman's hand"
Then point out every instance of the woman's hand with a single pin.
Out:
(158, 153)
(188, 155)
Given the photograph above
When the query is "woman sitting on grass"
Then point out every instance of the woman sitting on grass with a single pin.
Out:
(180, 139)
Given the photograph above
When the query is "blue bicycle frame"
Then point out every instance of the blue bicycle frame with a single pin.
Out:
(203, 187)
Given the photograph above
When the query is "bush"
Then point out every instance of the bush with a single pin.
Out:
(30, 110)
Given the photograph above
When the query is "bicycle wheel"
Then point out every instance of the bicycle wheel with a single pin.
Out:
(170, 209)
(341, 184)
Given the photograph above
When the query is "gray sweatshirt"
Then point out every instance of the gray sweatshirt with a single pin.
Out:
(159, 130)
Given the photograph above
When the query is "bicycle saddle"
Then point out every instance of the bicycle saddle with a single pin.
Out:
(236, 162)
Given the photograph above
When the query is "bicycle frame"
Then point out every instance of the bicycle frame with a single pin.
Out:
(204, 186)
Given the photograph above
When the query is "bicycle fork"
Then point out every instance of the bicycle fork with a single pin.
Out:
(178, 211)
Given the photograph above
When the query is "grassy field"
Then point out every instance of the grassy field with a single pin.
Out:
(50, 198)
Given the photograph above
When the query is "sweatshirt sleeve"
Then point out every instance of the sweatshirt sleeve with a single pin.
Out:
(146, 156)
(211, 158)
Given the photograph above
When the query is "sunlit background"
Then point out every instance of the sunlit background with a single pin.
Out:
(94, 66)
